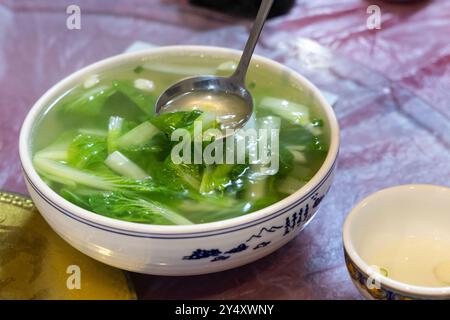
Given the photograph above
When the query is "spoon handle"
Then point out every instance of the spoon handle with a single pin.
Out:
(241, 70)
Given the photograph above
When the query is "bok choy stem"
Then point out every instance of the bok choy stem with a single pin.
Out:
(137, 136)
(124, 166)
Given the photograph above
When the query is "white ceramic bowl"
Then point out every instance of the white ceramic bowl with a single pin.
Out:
(179, 250)
(405, 212)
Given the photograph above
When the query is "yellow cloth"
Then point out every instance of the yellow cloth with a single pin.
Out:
(35, 263)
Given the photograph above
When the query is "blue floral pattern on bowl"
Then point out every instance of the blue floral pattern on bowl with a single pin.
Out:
(294, 222)
(381, 292)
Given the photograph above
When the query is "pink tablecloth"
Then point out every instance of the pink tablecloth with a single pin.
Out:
(393, 86)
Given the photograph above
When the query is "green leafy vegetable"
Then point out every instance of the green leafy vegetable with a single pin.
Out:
(88, 103)
(124, 166)
(215, 178)
(186, 175)
(300, 136)
(58, 150)
(131, 208)
(86, 150)
(169, 122)
(77, 197)
(115, 127)
(144, 100)
(222, 177)
(295, 113)
(317, 123)
(138, 136)
(65, 174)
(138, 69)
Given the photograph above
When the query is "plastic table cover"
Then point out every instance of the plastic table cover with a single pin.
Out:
(393, 88)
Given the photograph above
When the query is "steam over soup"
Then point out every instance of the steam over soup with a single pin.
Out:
(101, 147)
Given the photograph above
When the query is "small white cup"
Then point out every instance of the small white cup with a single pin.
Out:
(398, 212)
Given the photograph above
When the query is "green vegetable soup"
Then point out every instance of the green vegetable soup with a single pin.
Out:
(101, 147)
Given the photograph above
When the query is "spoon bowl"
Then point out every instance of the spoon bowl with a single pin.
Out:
(231, 92)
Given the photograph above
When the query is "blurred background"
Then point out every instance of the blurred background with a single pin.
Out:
(390, 87)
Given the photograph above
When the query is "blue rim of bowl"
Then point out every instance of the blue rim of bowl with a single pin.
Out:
(182, 235)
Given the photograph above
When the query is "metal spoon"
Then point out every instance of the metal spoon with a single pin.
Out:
(227, 88)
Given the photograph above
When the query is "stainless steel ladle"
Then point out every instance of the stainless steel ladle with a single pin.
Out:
(224, 86)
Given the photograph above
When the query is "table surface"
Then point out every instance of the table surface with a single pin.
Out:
(393, 88)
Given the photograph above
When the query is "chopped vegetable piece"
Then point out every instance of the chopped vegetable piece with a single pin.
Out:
(134, 209)
(86, 150)
(64, 174)
(293, 112)
(90, 102)
(124, 166)
(138, 69)
(115, 127)
(169, 122)
(143, 99)
(138, 136)
(144, 85)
